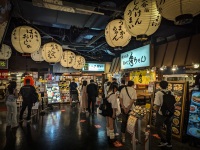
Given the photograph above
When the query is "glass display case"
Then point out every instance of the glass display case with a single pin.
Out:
(53, 93)
(193, 128)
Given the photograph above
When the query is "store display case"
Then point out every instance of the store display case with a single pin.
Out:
(64, 90)
(53, 93)
(193, 128)
(179, 89)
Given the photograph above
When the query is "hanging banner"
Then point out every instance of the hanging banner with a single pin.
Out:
(136, 58)
(142, 77)
(131, 124)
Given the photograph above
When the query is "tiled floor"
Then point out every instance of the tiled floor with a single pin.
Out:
(68, 129)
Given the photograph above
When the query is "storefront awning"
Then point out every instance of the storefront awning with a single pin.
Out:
(160, 52)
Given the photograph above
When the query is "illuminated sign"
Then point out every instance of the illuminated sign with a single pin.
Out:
(3, 64)
(94, 67)
(136, 58)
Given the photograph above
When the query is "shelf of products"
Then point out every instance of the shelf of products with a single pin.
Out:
(53, 93)
(193, 128)
(64, 90)
(179, 90)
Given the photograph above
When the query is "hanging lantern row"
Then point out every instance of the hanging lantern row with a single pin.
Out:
(179, 11)
(26, 39)
(5, 52)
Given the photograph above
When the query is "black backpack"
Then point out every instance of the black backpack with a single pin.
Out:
(168, 107)
(106, 107)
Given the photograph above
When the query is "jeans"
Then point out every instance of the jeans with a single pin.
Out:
(11, 117)
(124, 121)
(24, 105)
(93, 100)
(160, 120)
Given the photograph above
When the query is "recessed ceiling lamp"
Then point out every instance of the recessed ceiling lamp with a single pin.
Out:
(196, 66)
(163, 68)
(153, 69)
(174, 67)
(148, 71)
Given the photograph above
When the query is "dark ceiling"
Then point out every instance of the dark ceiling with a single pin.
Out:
(83, 30)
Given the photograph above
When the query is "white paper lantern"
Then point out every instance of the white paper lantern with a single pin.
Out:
(37, 55)
(179, 11)
(5, 52)
(80, 62)
(26, 39)
(52, 52)
(68, 59)
(116, 33)
(142, 18)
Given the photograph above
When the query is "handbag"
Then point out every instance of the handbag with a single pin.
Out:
(106, 107)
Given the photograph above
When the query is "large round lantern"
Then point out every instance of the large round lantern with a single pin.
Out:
(5, 52)
(68, 59)
(52, 52)
(179, 11)
(116, 33)
(142, 18)
(37, 55)
(80, 62)
(26, 39)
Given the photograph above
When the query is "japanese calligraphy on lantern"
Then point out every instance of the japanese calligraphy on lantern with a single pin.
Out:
(52, 52)
(25, 39)
(136, 58)
(142, 17)
(80, 62)
(37, 55)
(68, 59)
(94, 67)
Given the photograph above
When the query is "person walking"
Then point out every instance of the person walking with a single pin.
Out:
(127, 98)
(84, 96)
(92, 91)
(29, 96)
(73, 91)
(161, 119)
(11, 117)
(105, 87)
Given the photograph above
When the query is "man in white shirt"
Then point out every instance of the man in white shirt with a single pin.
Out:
(127, 98)
(160, 119)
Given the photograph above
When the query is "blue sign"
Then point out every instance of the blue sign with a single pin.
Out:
(136, 58)
(94, 67)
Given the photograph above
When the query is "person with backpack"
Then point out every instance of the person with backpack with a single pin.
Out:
(11, 117)
(127, 98)
(29, 96)
(164, 105)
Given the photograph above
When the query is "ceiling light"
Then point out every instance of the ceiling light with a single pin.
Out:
(196, 66)
(163, 68)
(174, 67)
(153, 69)
(148, 71)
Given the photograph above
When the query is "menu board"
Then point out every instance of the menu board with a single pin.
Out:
(53, 93)
(193, 128)
(179, 91)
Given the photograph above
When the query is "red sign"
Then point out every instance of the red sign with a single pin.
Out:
(3, 74)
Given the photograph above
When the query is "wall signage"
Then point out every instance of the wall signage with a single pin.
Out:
(3, 64)
(94, 67)
(136, 58)
(3, 74)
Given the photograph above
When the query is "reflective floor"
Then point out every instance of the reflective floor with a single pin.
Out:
(66, 128)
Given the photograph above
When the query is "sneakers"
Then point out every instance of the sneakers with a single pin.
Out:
(169, 145)
(161, 144)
